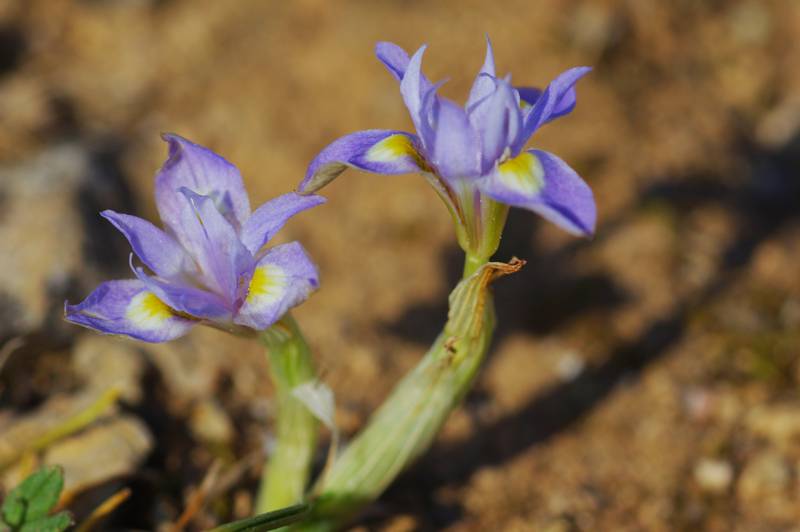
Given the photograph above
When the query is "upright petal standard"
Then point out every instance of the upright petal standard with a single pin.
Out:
(208, 265)
(474, 156)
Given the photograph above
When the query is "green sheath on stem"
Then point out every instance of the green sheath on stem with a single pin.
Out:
(406, 424)
(285, 476)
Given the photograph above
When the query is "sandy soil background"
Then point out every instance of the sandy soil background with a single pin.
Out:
(644, 380)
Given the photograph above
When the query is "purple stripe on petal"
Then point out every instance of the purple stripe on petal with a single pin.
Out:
(283, 278)
(154, 247)
(214, 244)
(484, 82)
(272, 215)
(541, 182)
(376, 150)
(127, 308)
(204, 172)
(556, 100)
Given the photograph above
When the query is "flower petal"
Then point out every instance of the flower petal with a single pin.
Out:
(154, 247)
(284, 277)
(414, 87)
(498, 121)
(205, 173)
(530, 95)
(557, 100)
(271, 216)
(376, 150)
(483, 85)
(455, 152)
(187, 299)
(214, 244)
(541, 182)
(393, 57)
(127, 308)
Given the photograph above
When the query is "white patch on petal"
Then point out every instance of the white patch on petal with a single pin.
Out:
(148, 312)
(267, 286)
(523, 174)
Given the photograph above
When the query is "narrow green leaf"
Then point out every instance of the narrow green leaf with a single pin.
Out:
(54, 523)
(267, 521)
(34, 497)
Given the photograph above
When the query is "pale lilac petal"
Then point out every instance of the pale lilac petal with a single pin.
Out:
(498, 120)
(271, 216)
(556, 100)
(283, 278)
(530, 95)
(187, 299)
(413, 87)
(393, 57)
(203, 172)
(156, 249)
(214, 244)
(455, 152)
(541, 182)
(376, 150)
(127, 308)
(483, 85)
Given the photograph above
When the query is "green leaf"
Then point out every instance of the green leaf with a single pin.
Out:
(34, 497)
(54, 523)
(267, 521)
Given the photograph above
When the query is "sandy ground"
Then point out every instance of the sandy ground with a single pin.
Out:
(644, 380)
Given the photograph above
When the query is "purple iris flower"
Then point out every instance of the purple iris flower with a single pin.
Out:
(473, 155)
(209, 264)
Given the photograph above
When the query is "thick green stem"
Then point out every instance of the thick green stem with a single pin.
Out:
(406, 424)
(285, 476)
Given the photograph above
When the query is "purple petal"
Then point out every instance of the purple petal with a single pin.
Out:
(498, 121)
(529, 95)
(455, 151)
(187, 299)
(154, 247)
(214, 244)
(393, 57)
(414, 87)
(127, 308)
(483, 85)
(271, 216)
(541, 182)
(283, 278)
(557, 100)
(205, 173)
(376, 150)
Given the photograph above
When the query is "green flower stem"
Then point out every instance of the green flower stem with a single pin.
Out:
(285, 476)
(406, 424)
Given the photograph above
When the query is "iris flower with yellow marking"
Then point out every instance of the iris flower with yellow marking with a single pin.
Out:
(473, 155)
(209, 264)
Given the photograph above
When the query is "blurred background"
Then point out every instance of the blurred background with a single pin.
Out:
(644, 380)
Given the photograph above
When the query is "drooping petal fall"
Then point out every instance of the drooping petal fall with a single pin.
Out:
(377, 150)
(284, 277)
(541, 182)
(128, 308)
(272, 215)
(202, 171)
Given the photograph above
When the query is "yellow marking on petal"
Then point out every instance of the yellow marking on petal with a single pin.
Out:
(392, 148)
(523, 104)
(147, 311)
(524, 173)
(267, 285)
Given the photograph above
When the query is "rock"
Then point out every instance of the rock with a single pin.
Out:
(764, 486)
(210, 422)
(713, 475)
(105, 362)
(780, 424)
(48, 218)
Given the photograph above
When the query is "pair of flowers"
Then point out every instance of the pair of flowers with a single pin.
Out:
(209, 264)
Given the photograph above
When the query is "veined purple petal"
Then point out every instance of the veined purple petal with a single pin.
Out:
(413, 87)
(272, 215)
(283, 278)
(541, 182)
(396, 60)
(154, 247)
(187, 299)
(556, 100)
(498, 121)
(202, 171)
(529, 95)
(128, 308)
(214, 244)
(376, 150)
(483, 85)
(455, 152)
